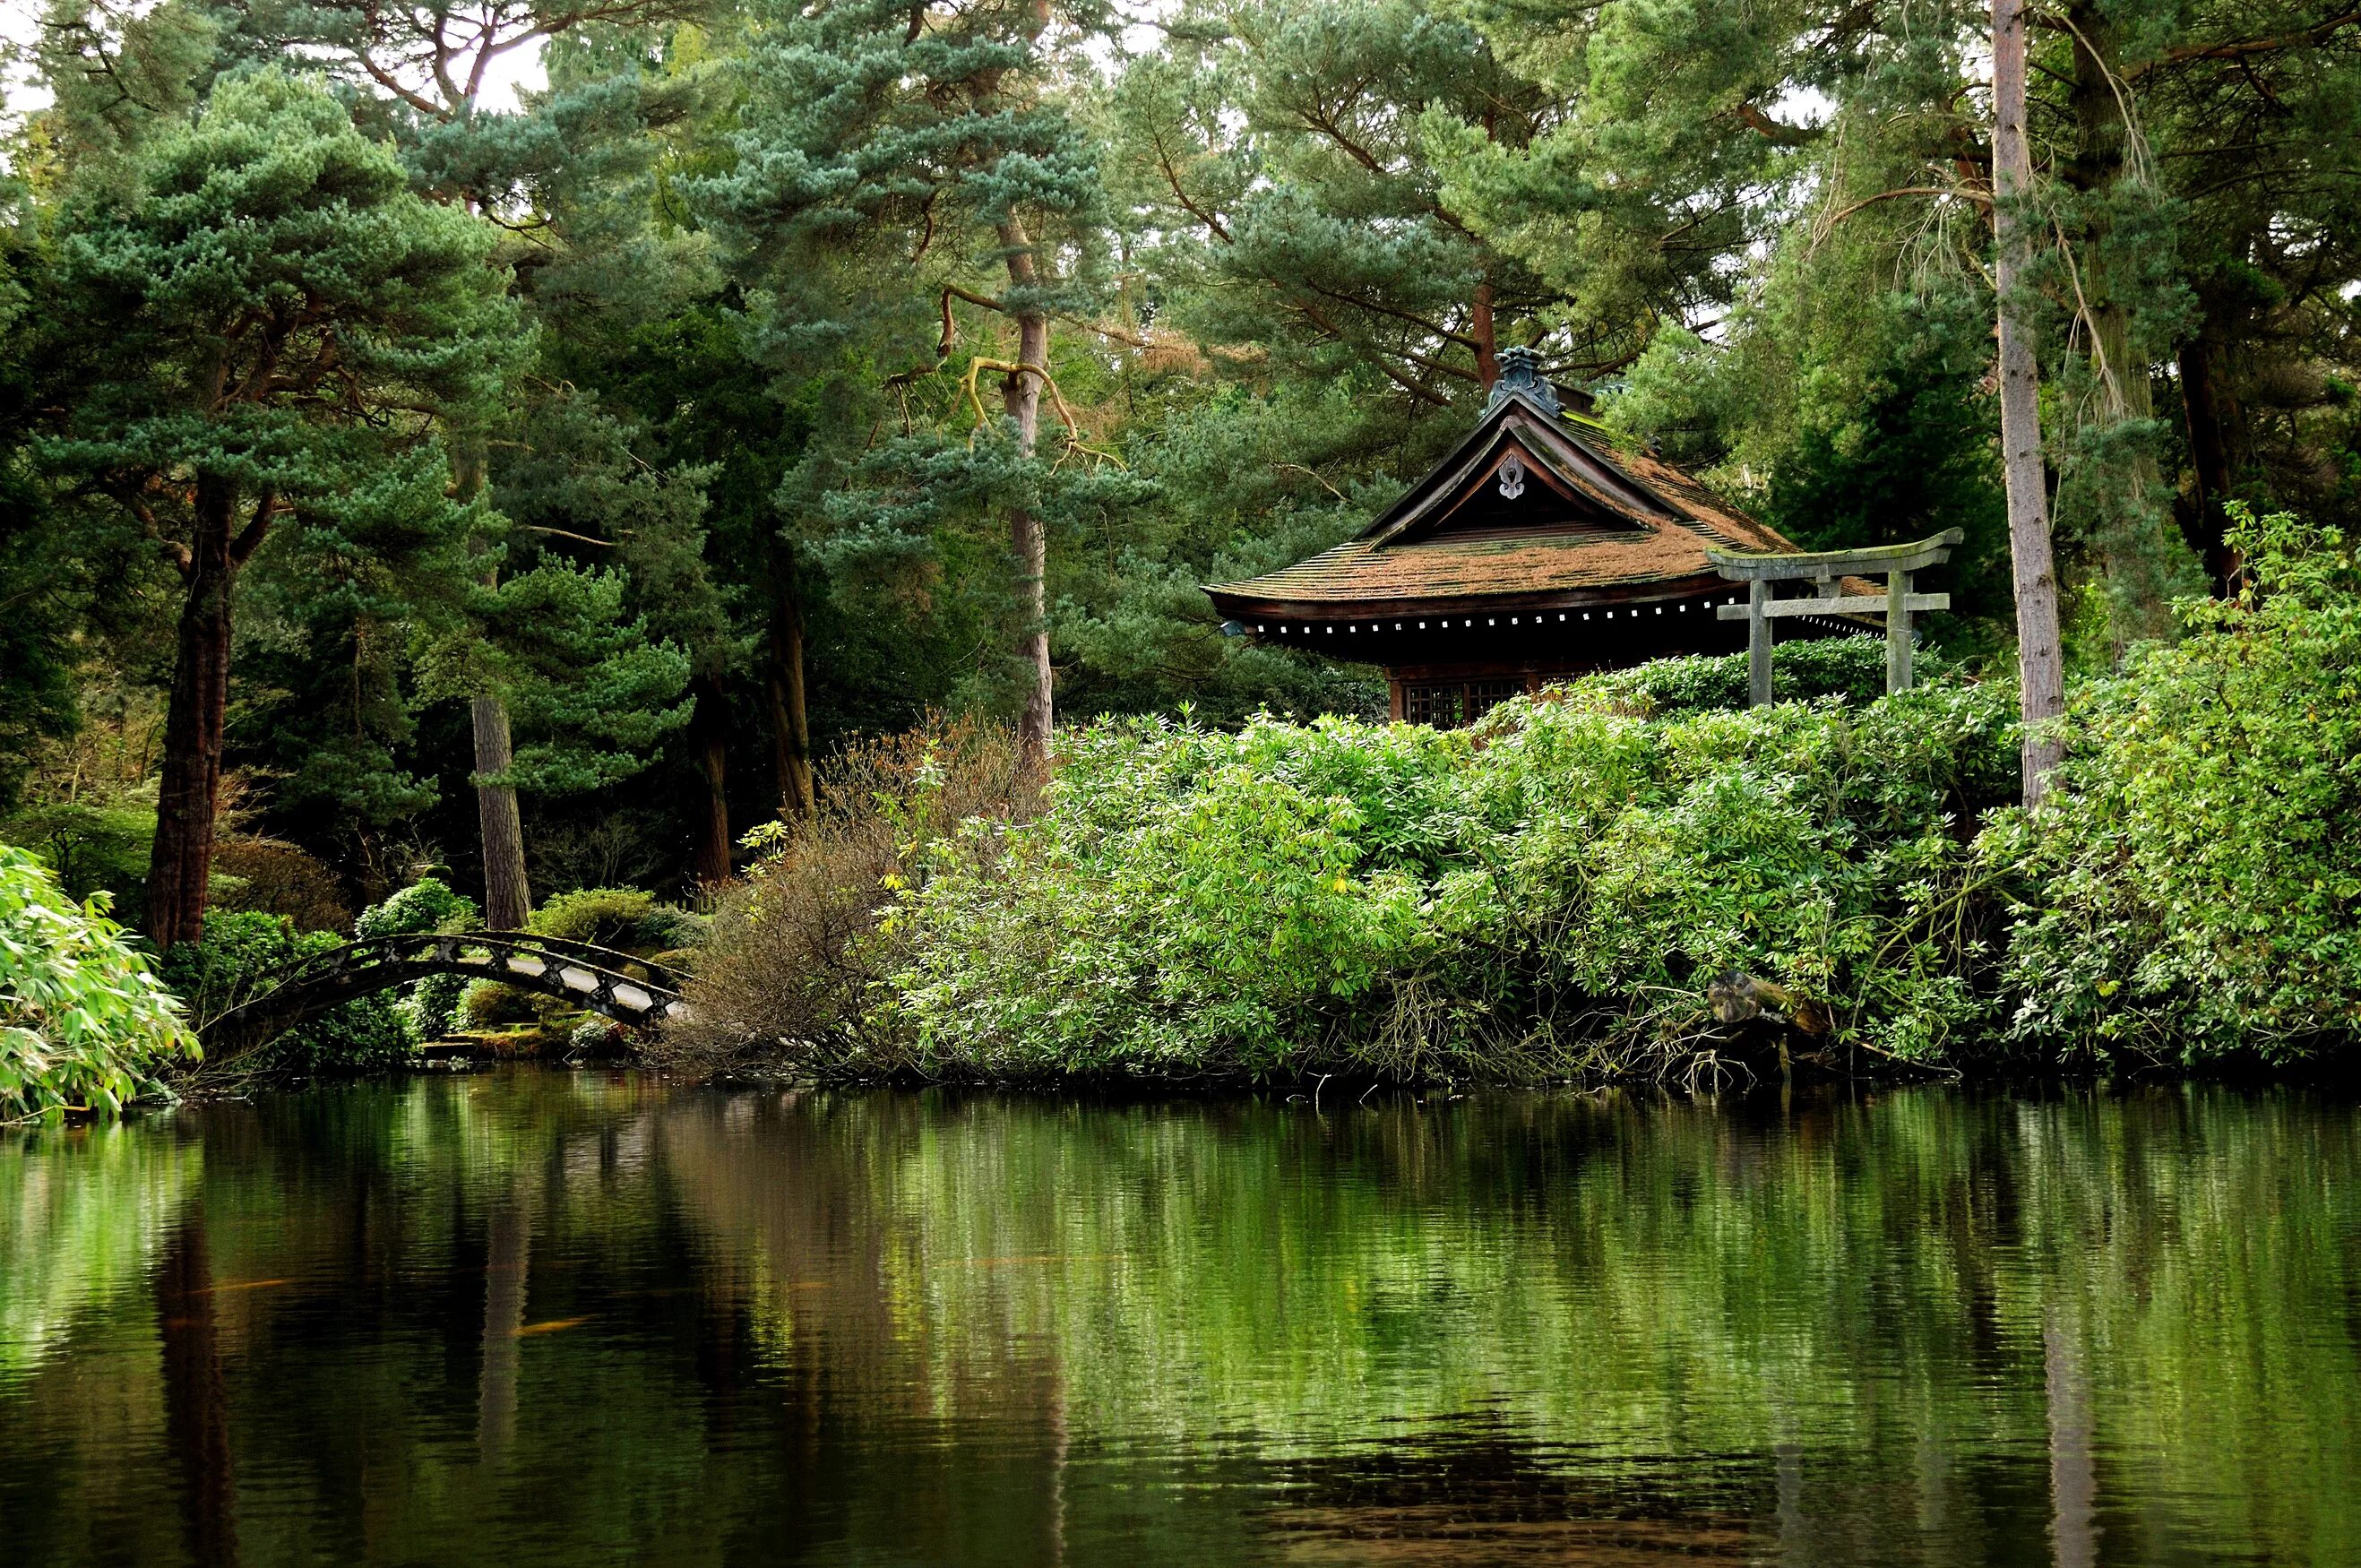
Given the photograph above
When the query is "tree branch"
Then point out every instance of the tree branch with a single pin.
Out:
(2318, 33)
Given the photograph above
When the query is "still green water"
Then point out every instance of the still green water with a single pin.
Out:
(571, 1319)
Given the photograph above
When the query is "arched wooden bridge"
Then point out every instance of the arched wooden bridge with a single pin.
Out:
(627, 989)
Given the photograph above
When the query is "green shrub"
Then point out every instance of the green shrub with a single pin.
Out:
(426, 904)
(83, 1024)
(244, 954)
(1553, 892)
(1542, 897)
(429, 1006)
(487, 1004)
(615, 917)
(2195, 886)
(1852, 669)
(795, 955)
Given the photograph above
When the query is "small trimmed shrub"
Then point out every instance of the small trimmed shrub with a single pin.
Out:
(615, 917)
(426, 904)
(596, 1036)
(489, 1004)
(83, 1024)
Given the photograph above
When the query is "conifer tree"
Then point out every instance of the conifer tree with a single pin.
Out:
(422, 71)
(924, 141)
(271, 327)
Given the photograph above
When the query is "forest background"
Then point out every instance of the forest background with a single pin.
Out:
(395, 479)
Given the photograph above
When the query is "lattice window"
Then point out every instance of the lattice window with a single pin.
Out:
(1483, 696)
(1434, 705)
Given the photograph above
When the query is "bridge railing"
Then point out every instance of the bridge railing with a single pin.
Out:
(620, 986)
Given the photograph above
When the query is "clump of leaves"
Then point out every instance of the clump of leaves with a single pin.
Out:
(430, 1006)
(2194, 887)
(797, 949)
(613, 918)
(244, 954)
(84, 1026)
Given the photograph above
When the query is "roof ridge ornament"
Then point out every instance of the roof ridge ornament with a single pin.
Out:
(1521, 372)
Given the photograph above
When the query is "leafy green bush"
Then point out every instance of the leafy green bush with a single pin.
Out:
(429, 1006)
(1852, 669)
(244, 954)
(2194, 888)
(796, 955)
(426, 904)
(1553, 892)
(83, 1025)
(485, 1004)
(614, 917)
(1542, 897)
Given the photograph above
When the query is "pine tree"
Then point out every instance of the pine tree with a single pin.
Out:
(273, 326)
(420, 72)
(926, 142)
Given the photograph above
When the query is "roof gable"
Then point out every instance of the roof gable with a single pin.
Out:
(1591, 521)
(1518, 471)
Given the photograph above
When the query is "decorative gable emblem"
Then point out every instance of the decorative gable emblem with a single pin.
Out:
(1512, 477)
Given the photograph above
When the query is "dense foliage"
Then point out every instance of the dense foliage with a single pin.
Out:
(83, 1025)
(752, 274)
(1555, 893)
(398, 471)
(243, 956)
(2196, 890)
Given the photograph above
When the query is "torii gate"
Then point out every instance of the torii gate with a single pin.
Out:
(1825, 569)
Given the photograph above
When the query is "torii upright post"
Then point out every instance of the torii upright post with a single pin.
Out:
(1826, 569)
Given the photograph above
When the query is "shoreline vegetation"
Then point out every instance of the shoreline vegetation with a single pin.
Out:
(1630, 877)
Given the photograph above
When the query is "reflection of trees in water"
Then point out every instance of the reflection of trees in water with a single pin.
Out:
(1919, 1325)
(196, 1397)
(1910, 1286)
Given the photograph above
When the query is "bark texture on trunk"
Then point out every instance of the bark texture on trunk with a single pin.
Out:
(180, 863)
(790, 723)
(507, 897)
(2039, 656)
(1487, 335)
(1020, 396)
(713, 731)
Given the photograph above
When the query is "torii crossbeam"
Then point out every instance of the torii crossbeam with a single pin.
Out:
(1827, 570)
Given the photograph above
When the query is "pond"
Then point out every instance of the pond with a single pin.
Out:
(541, 1317)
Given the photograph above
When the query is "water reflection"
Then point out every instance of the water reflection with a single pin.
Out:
(560, 1318)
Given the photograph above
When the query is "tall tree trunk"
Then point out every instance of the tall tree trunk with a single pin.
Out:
(2209, 412)
(1486, 337)
(1020, 396)
(180, 864)
(2040, 662)
(507, 897)
(790, 723)
(711, 727)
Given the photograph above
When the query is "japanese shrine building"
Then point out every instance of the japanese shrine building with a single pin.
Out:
(1540, 548)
